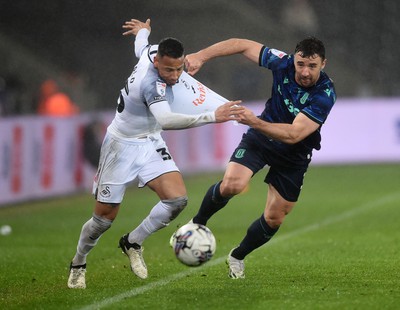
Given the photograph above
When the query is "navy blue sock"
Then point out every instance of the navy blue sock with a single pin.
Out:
(258, 234)
(212, 203)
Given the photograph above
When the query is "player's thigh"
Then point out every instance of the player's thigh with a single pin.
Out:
(161, 173)
(107, 210)
(247, 159)
(235, 179)
(169, 185)
(276, 207)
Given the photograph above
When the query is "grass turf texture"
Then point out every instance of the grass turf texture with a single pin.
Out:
(338, 249)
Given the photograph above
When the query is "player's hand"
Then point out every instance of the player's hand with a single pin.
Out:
(135, 25)
(247, 117)
(193, 63)
(229, 111)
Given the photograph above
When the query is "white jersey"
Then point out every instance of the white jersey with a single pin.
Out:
(145, 103)
(144, 87)
(133, 147)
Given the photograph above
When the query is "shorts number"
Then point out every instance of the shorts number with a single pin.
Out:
(164, 154)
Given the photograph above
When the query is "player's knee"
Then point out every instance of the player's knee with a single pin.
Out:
(98, 226)
(176, 205)
(230, 187)
(274, 220)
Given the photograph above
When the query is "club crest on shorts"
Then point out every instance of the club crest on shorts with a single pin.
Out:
(105, 192)
(240, 153)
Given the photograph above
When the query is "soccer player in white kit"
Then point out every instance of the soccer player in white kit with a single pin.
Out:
(134, 149)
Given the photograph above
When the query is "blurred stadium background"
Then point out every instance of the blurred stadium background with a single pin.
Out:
(79, 45)
(339, 250)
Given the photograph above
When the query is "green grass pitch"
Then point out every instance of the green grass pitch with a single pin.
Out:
(338, 249)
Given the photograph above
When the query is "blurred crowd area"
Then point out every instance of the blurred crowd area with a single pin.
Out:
(78, 47)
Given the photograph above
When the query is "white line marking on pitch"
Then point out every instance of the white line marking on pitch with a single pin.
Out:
(343, 216)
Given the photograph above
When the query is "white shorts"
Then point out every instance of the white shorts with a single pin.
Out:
(121, 162)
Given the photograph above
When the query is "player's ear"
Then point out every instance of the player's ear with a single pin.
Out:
(155, 62)
(323, 64)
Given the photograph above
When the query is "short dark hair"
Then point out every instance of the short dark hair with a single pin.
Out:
(311, 46)
(170, 47)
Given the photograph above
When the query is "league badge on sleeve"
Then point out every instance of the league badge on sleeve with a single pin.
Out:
(277, 53)
(161, 88)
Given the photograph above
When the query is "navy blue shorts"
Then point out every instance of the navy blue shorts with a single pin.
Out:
(286, 177)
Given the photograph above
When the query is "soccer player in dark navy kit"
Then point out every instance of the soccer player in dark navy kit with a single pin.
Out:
(282, 137)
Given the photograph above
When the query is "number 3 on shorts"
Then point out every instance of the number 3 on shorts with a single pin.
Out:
(164, 154)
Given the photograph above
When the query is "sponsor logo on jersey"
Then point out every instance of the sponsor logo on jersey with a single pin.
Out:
(202, 94)
(161, 88)
(304, 98)
(291, 108)
(277, 53)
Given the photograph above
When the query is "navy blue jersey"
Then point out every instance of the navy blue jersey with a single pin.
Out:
(288, 99)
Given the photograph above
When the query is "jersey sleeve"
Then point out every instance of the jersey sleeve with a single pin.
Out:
(157, 101)
(272, 59)
(320, 106)
(153, 91)
(170, 120)
(141, 41)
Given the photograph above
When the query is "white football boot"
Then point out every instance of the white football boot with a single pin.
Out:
(135, 254)
(77, 276)
(236, 267)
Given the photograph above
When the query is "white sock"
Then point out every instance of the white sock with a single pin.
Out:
(158, 218)
(90, 234)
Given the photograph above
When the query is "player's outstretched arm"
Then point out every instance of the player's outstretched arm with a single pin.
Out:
(249, 49)
(170, 120)
(134, 25)
(301, 127)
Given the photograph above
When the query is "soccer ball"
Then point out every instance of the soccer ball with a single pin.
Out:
(193, 244)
